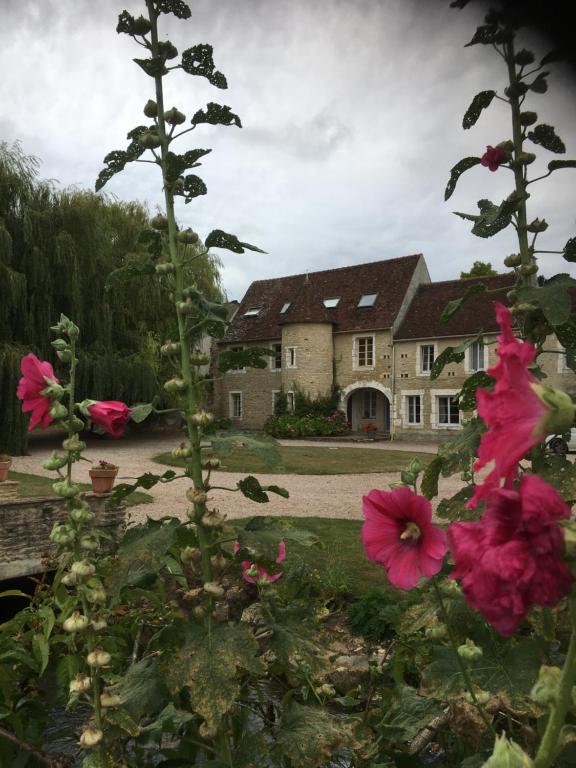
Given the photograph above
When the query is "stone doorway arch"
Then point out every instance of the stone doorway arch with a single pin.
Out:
(367, 405)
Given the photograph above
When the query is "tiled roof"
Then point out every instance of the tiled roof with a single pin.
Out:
(422, 321)
(390, 279)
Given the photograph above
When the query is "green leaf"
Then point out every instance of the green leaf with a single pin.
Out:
(170, 720)
(479, 102)
(153, 238)
(249, 357)
(146, 481)
(219, 239)
(216, 114)
(192, 187)
(251, 488)
(459, 451)
(429, 486)
(133, 268)
(122, 719)
(467, 395)
(140, 412)
(545, 136)
(454, 306)
(555, 165)
(143, 688)
(155, 66)
(539, 84)
(407, 715)
(15, 593)
(47, 618)
(177, 7)
(567, 337)
(452, 355)
(488, 35)
(553, 298)
(198, 60)
(95, 761)
(556, 55)
(277, 490)
(308, 737)
(462, 165)
(454, 509)
(569, 250)
(210, 665)
(41, 651)
(117, 159)
(175, 165)
(259, 540)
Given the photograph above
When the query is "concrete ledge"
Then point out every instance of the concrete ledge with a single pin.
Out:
(25, 526)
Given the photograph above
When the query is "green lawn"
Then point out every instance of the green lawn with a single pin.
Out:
(266, 456)
(37, 485)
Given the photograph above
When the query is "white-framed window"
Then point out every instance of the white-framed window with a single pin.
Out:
(240, 369)
(285, 307)
(426, 357)
(414, 409)
(291, 357)
(367, 300)
(363, 352)
(476, 356)
(448, 411)
(369, 404)
(331, 302)
(275, 395)
(411, 405)
(235, 402)
(252, 312)
(276, 358)
(290, 402)
(562, 361)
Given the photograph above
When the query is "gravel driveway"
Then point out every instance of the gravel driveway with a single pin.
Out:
(310, 495)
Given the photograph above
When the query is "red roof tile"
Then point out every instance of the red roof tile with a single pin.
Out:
(390, 279)
(422, 321)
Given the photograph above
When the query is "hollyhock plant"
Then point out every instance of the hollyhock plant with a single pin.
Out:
(37, 375)
(111, 415)
(493, 158)
(516, 412)
(254, 573)
(398, 533)
(512, 559)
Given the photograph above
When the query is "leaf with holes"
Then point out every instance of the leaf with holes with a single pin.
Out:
(452, 355)
(133, 268)
(198, 60)
(489, 34)
(308, 737)
(251, 488)
(454, 509)
(216, 114)
(569, 250)
(454, 306)
(460, 451)
(153, 239)
(546, 137)
(555, 165)
(493, 218)
(175, 165)
(479, 102)
(250, 357)
(220, 239)
(462, 165)
(567, 337)
(192, 187)
(122, 719)
(177, 7)
(540, 84)
(116, 160)
(143, 688)
(429, 486)
(553, 298)
(154, 66)
(467, 395)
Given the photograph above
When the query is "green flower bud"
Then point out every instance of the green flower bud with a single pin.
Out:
(140, 26)
(436, 633)
(98, 658)
(167, 50)
(507, 754)
(187, 236)
(524, 57)
(56, 461)
(90, 737)
(159, 222)
(74, 444)
(62, 534)
(60, 345)
(182, 452)
(165, 268)
(196, 496)
(53, 390)
(482, 697)
(82, 514)
(190, 555)
(197, 358)
(211, 464)
(560, 416)
(186, 307)
(213, 589)
(65, 355)
(170, 348)
(109, 699)
(545, 689)
(523, 158)
(175, 385)
(149, 139)
(99, 624)
(174, 117)
(528, 269)
(538, 225)
(64, 489)
(513, 260)
(506, 146)
(470, 651)
(58, 411)
(512, 296)
(202, 418)
(75, 623)
(151, 108)
(76, 424)
(89, 542)
(528, 118)
(82, 569)
(213, 519)
(96, 595)
(69, 579)
(516, 90)
(80, 684)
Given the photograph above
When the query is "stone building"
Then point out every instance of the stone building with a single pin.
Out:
(372, 329)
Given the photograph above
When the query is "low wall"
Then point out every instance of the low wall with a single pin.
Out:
(25, 526)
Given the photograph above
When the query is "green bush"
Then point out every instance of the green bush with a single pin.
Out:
(291, 425)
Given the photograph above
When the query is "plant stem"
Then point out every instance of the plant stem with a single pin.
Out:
(40, 756)
(550, 746)
(71, 401)
(459, 659)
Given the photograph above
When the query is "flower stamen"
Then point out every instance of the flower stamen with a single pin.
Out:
(412, 531)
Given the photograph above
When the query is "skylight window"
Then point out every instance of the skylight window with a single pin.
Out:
(367, 300)
(331, 302)
(252, 312)
(285, 307)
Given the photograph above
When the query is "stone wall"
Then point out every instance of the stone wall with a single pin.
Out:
(25, 526)
(312, 369)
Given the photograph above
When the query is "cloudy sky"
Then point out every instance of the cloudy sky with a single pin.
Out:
(352, 116)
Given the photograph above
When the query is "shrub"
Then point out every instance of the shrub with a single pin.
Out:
(291, 425)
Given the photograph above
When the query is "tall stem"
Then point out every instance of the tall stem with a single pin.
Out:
(71, 401)
(550, 746)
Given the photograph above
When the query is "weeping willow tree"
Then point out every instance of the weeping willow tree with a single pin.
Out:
(57, 250)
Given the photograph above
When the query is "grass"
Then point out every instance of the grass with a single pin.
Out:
(266, 456)
(32, 486)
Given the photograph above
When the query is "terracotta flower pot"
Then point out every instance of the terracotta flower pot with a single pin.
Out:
(5, 465)
(103, 479)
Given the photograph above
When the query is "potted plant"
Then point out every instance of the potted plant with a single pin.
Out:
(5, 464)
(103, 476)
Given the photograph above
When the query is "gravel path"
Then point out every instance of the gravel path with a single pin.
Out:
(310, 495)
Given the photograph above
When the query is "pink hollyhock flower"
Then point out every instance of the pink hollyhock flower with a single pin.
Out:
(398, 533)
(36, 376)
(514, 413)
(253, 573)
(512, 559)
(111, 415)
(494, 157)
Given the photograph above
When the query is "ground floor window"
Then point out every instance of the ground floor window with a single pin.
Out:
(369, 404)
(290, 402)
(448, 411)
(235, 405)
(414, 409)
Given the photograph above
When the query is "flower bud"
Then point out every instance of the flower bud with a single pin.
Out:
(65, 489)
(437, 632)
(96, 595)
(560, 416)
(213, 519)
(99, 624)
(174, 117)
(165, 268)
(198, 611)
(513, 260)
(211, 464)
(149, 140)
(545, 689)
(524, 57)
(56, 461)
(516, 90)
(170, 348)
(98, 658)
(219, 562)
(214, 589)
(538, 225)
(167, 50)
(140, 26)
(151, 108)
(74, 444)
(196, 496)
(187, 236)
(109, 699)
(80, 684)
(506, 146)
(62, 534)
(528, 118)
(89, 542)
(482, 697)
(90, 737)
(82, 514)
(198, 358)
(175, 385)
(65, 355)
(82, 569)
(69, 579)
(470, 651)
(190, 555)
(202, 418)
(60, 345)
(75, 623)
(528, 269)
(53, 390)
(507, 754)
(58, 411)
(159, 222)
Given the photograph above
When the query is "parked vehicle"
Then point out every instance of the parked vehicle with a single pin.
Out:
(561, 445)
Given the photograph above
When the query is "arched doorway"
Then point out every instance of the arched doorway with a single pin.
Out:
(367, 405)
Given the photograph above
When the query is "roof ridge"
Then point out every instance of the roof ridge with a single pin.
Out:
(433, 283)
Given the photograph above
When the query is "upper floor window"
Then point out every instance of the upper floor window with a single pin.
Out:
(239, 368)
(235, 405)
(426, 359)
(332, 302)
(363, 352)
(476, 356)
(276, 358)
(252, 312)
(285, 307)
(448, 411)
(369, 409)
(367, 300)
(290, 357)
